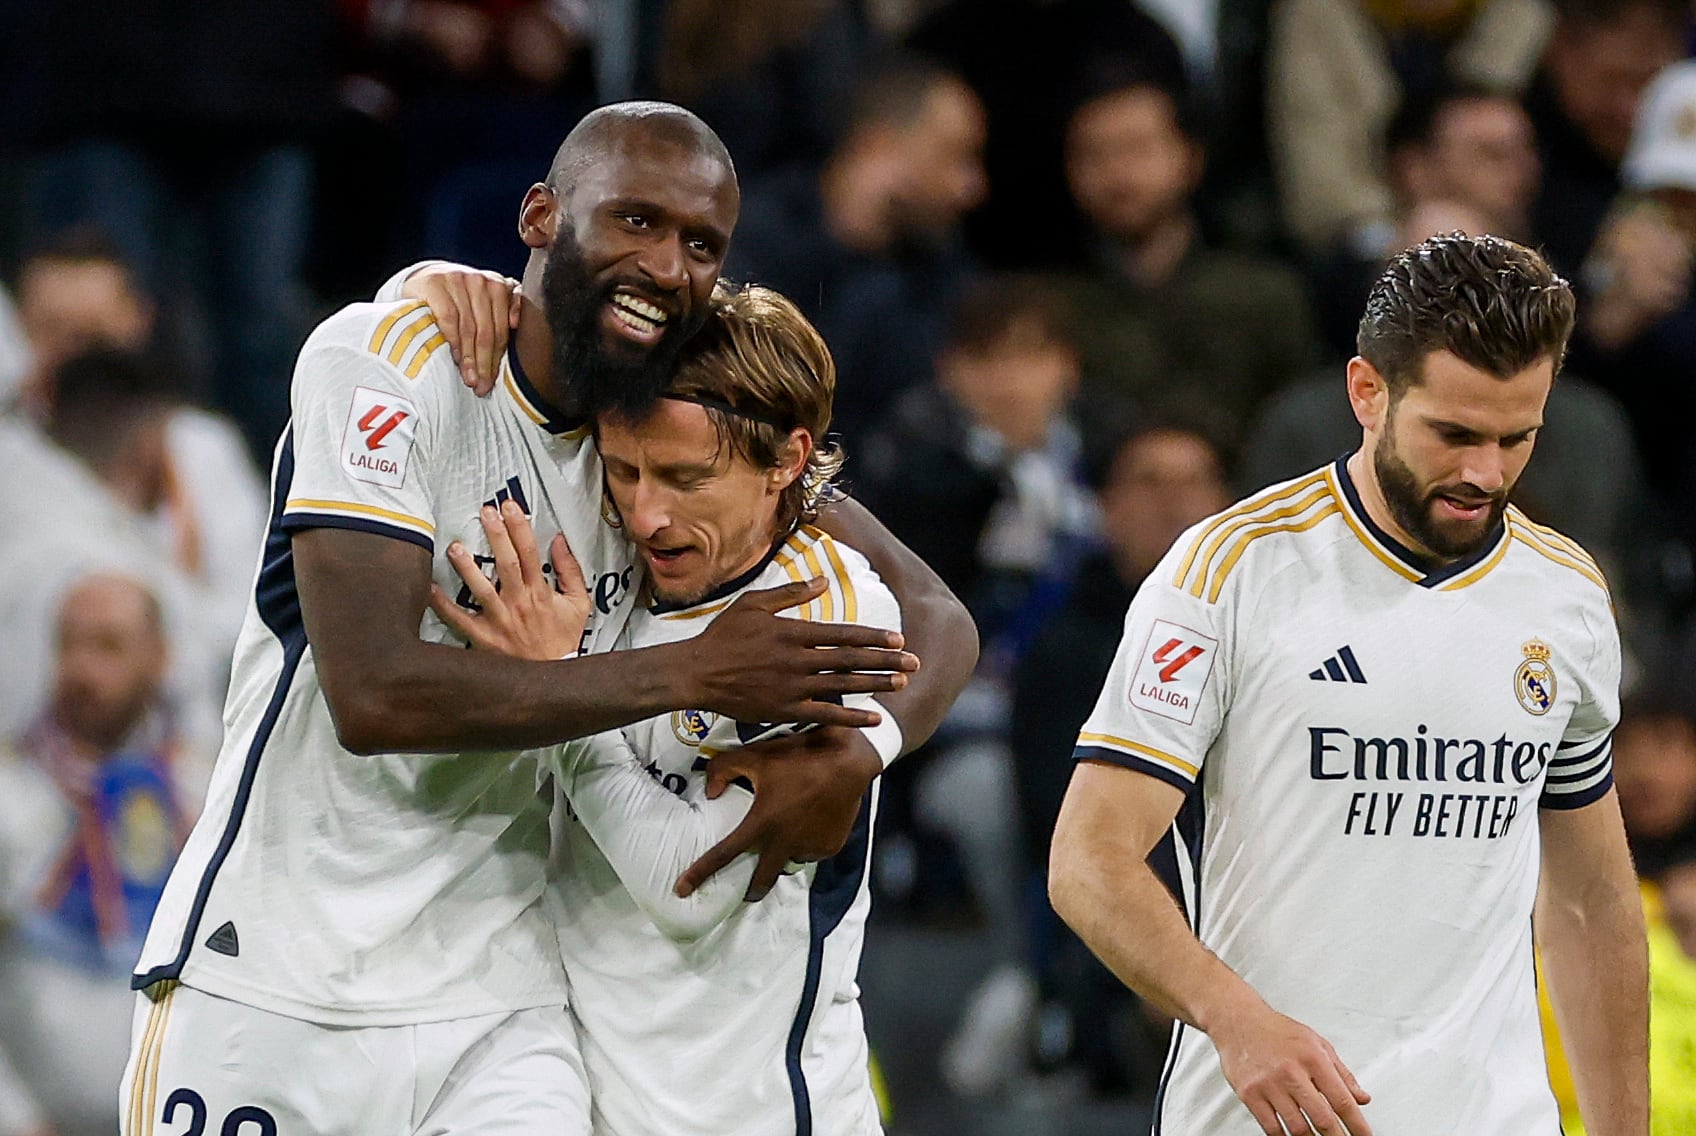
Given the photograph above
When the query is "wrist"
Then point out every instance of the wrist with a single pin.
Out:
(885, 737)
(1227, 1005)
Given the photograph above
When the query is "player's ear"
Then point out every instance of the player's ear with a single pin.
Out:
(538, 216)
(1369, 394)
(792, 462)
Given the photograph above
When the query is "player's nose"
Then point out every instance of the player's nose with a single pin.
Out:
(665, 263)
(1486, 468)
(648, 513)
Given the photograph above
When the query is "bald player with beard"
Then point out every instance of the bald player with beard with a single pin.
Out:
(353, 940)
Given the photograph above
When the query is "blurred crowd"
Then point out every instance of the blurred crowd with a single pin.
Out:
(1089, 269)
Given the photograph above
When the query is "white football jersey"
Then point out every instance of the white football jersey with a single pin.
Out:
(1368, 739)
(397, 888)
(710, 1015)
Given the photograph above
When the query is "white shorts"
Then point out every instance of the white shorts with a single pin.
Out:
(205, 1065)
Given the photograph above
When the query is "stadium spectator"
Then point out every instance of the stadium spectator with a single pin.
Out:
(774, 76)
(1022, 58)
(91, 819)
(496, 76)
(1179, 326)
(1655, 769)
(184, 131)
(1162, 479)
(1336, 73)
(1601, 57)
(1463, 157)
(198, 490)
(869, 245)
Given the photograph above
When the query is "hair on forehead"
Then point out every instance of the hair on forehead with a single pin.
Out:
(601, 132)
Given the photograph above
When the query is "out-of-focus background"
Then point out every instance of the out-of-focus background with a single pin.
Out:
(1090, 269)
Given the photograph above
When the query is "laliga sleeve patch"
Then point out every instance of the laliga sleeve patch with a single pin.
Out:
(377, 439)
(1172, 670)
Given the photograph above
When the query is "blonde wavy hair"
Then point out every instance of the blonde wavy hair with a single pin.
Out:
(770, 371)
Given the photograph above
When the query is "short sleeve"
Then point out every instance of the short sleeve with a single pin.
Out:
(1164, 700)
(1582, 770)
(360, 440)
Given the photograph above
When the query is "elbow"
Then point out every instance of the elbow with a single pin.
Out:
(364, 715)
(1066, 886)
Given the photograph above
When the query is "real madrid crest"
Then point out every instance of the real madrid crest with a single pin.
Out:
(1534, 681)
(692, 726)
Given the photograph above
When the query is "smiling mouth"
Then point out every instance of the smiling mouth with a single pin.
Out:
(642, 317)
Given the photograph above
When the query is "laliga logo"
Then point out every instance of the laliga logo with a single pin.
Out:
(374, 435)
(1171, 669)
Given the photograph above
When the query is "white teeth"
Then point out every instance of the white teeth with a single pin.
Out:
(638, 306)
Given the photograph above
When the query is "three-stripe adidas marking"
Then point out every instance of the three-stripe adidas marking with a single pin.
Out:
(1341, 667)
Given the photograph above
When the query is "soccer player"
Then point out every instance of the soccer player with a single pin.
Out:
(705, 1014)
(1377, 700)
(354, 940)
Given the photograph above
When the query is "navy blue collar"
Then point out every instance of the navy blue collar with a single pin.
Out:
(1430, 572)
(729, 587)
(549, 417)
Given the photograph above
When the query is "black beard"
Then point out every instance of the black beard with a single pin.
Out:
(1411, 509)
(589, 379)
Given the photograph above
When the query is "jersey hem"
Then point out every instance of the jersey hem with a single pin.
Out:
(343, 1015)
(1141, 765)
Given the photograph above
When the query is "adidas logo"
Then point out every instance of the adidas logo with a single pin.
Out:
(224, 941)
(1341, 667)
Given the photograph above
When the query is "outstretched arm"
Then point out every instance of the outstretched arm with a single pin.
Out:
(1589, 926)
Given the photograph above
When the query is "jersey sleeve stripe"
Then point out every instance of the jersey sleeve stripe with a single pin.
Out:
(1248, 538)
(299, 504)
(1128, 746)
(1131, 761)
(412, 331)
(1531, 542)
(1562, 759)
(1247, 507)
(1227, 532)
(1577, 796)
(389, 321)
(850, 602)
(422, 355)
(1557, 539)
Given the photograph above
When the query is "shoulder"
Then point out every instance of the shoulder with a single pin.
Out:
(1214, 556)
(1563, 560)
(855, 592)
(398, 340)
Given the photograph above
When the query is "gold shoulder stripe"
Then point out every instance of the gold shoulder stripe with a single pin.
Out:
(788, 564)
(850, 602)
(1317, 495)
(388, 324)
(1558, 540)
(1566, 551)
(697, 613)
(410, 332)
(1595, 577)
(1140, 750)
(1242, 509)
(1230, 561)
(826, 601)
(422, 355)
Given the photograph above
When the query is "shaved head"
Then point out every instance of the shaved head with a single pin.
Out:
(603, 132)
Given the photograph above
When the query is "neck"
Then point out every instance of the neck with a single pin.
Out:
(533, 341)
(1365, 479)
(1151, 258)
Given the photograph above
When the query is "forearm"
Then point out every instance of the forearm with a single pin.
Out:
(650, 835)
(1596, 965)
(936, 625)
(424, 697)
